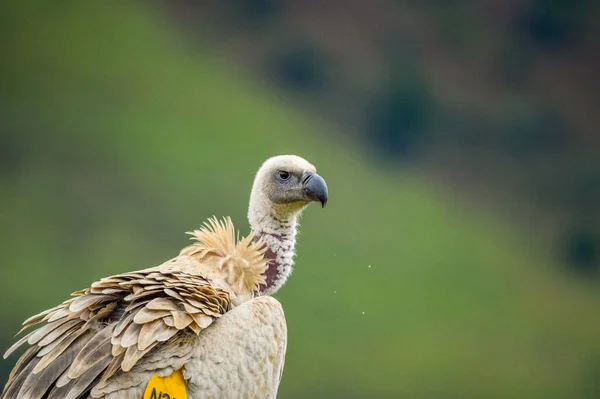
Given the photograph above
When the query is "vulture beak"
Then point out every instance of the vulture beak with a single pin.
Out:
(314, 187)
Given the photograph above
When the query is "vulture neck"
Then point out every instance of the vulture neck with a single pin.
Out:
(277, 229)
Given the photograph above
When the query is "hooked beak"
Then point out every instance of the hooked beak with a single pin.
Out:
(314, 187)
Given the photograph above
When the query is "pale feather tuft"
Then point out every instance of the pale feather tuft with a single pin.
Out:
(219, 245)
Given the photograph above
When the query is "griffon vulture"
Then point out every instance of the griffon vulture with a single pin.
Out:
(201, 325)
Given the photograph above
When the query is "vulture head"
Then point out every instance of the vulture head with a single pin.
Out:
(283, 187)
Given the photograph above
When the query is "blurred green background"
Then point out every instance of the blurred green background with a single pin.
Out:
(458, 256)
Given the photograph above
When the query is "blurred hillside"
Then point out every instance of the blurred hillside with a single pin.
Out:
(119, 131)
(497, 99)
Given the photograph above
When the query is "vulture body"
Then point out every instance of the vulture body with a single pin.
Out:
(201, 325)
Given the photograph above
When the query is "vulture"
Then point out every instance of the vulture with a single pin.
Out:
(200, 325)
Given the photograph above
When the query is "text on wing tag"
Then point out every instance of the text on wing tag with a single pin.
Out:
(170, 387)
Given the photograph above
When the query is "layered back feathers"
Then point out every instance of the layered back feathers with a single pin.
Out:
(219, 246)
(106, 329)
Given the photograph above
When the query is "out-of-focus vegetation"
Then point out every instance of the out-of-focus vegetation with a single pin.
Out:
(497, 98)
(118, 134)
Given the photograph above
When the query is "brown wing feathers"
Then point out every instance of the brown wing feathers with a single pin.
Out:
(107, 328)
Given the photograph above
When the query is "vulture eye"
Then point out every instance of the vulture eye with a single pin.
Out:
(283, 175)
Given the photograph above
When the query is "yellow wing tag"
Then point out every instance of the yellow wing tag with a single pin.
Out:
(171, 387)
